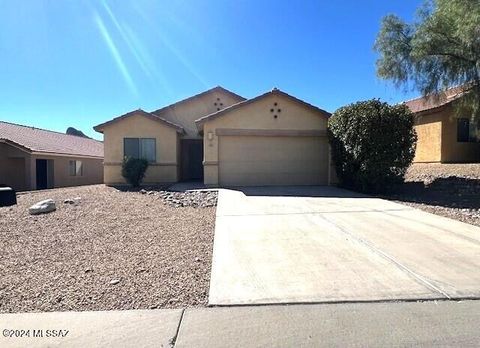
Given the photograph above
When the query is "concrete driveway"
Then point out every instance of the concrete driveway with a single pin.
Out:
(323, 244)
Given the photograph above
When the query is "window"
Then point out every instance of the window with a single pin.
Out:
(75, 168)
(140, 148)
(466, 132)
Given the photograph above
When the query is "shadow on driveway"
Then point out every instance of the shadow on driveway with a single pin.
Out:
(298, 191)
(450, 192)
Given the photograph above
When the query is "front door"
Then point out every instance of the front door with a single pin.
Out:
(44, 174)
(192, 159)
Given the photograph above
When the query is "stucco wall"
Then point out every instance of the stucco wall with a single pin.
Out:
(437, 139)
(258, 116)
(163, 171)
(185, 113)
(453, 151)
(429, 142)
(92, 171)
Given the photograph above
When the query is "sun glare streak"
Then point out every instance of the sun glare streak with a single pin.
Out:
(116, 55)
(163, 38)
(125, 38)
(148, 62)
(138, 50)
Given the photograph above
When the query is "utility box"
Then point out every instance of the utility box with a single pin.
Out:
(8, 197)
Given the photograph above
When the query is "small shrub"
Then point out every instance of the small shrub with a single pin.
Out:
(373, 144)
(133, 170)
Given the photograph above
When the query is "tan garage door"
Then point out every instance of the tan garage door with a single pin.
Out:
(265, 160)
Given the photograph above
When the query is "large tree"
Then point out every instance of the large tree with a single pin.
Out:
(440, 49)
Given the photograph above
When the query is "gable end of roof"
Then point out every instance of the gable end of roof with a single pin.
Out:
(178, 128)
(274, 91)
(211, 90)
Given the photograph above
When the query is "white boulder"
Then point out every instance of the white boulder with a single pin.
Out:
(42, 207)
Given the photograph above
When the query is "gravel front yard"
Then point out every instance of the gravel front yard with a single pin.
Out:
(113, 250)
(451, 190)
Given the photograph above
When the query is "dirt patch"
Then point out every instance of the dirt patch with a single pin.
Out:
(451, 190)
(112, 250)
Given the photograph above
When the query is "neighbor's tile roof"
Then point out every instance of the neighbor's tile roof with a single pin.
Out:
(427, 103)
(41, 140)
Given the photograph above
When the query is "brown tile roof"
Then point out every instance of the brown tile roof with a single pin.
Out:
(428, 103)
(99, 128)
(274, 91)
(44, 141)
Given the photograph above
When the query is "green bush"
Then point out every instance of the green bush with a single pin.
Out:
(373, 144)
(133, 170)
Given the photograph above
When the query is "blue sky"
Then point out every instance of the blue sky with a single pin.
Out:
(79, 62)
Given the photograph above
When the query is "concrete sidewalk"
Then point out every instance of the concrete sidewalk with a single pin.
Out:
(138, 328)
(444, 323)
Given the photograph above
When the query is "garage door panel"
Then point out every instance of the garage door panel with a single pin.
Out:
(258, 160)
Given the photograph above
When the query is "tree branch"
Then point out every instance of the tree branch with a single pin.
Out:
(453, 55)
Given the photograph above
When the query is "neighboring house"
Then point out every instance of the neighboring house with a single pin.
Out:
(33, 158)
(223, 139)
(444, 136)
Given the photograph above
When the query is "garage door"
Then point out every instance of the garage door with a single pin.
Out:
(267, 160)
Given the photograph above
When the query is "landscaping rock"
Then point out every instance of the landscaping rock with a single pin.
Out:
(42, 207)
(195, 199)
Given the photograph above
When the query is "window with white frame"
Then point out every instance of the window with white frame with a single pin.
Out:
(140, 148)
(75, 168)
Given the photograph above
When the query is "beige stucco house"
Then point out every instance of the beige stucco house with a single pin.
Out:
(443, 135)
(223, 139)
(33, 158)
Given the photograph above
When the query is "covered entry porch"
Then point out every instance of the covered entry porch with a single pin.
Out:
(24, 171)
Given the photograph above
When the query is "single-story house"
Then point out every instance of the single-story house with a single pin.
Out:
(444, 136)
(33, 158)
(221, 138)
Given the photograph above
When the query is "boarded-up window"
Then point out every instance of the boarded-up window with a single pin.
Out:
(140, 148)
(75, 168)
